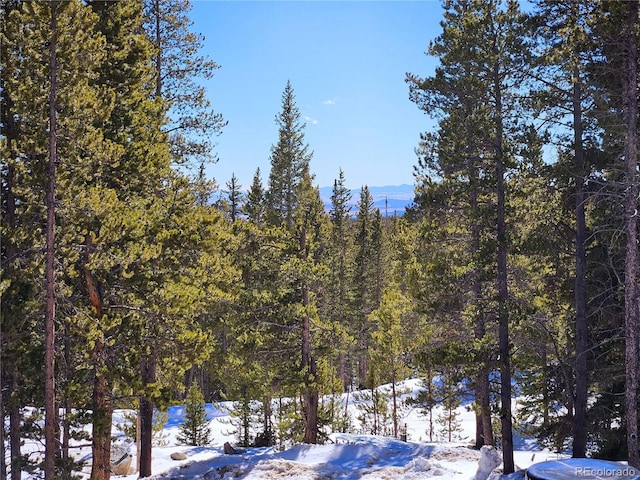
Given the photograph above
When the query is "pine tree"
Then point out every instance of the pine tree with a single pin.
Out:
(234, 197)
(366, 279)
(47, 90)
(449, 392)
(293, 204)
(140, 257)
(427, 400)
(289, 164)
(632, 182)
(179, 67)
(567, 40)
(137, 165)
(50, 270)
(339, 300)
(390, 344)
(254, 205)
(479, 87)
(195, 429)
(616, 30)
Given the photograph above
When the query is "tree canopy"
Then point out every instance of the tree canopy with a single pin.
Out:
(131, 280)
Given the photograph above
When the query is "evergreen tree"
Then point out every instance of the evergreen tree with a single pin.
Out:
(289, 164)
(254, 205)
(450, 393)
(482, 85)
(632, 268)
(564, 29)
(339, 300)
(427, 400)
(127, 224)
(365, 279)
(138, 164)
(50, 270)
(616, 31)
(294, 208)
(45, 90)
(195, 430)
(373, 406)
(390, 343)
(234, 198)
(179, 67)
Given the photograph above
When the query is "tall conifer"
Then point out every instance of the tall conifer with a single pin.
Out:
(180, 67)
(482, 54)
(57, 78)
(565, 33)
(254, 205)
(289, 164)
(234, 197)
(365, 280)
(293, 205)
(340, 292)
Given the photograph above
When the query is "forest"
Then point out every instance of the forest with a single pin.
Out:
(514, 273)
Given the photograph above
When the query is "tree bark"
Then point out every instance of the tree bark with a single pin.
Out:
(146, 416)
(66, 408)
(632, 320)
(484, 429)
(503, 291)
(101, 398)
(15, 429)
(50, 308)
(581, 344)
(102, 419)
(11, 377)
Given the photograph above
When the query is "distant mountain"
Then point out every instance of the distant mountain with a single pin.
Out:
(390, 199)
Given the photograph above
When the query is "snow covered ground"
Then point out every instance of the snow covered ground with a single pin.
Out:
(345, 456)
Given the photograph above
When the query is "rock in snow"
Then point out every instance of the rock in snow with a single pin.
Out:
(490, 460)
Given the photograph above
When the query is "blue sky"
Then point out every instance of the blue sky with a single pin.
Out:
(346, 62)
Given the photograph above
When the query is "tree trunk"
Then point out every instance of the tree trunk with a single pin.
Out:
(310, 397)
(102, 407)
(66, 423)
(342, 371)
(484, 429)
(146, 416)
(266, 419)
(395, 405)
(503, 291)
(581, 344)
(311, 401)
(632, 320)
(503, 333)
(483, 392)
(15, 441)
(11, 377)
(50, 309)
(102, 419)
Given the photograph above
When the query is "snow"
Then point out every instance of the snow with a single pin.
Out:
(344, 456)
(572, 468)
(349, 457)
